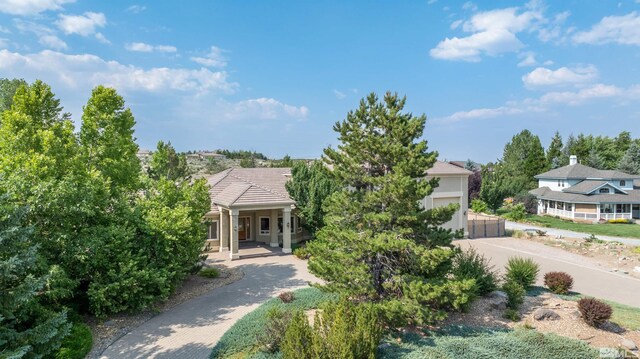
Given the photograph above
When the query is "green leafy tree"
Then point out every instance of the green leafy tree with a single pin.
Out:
(493, 191)
(310, 186)
(630, 162)
(248, 163)
(106, 136)
(555, 157)
(8, 89)
(32, 325)
(378, 243)
(285, 162)
(523, 158)
(214, 166)
(167, 163)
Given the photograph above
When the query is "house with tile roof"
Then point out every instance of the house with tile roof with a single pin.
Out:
(253, 205)
(583, 193)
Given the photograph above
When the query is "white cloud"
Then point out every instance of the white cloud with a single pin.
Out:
(82, 72)
(528, 59)
(4, 30)
(542, 76)
(53, 42)
(142, 47)
(31, 7)
(83, 25)
(549, 100)
(264, 109)
(339, 94)
(136, 9)
(102, 38)
(469, 6)
(492, 33)
(215, 58)
(612, 29)
(456, 24)
(3, 42)
(431, 2)
(554, 30)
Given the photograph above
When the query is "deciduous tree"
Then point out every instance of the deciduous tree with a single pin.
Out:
(167, 163)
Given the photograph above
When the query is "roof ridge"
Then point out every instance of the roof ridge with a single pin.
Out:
(228, 170)
(241, 193)
(261, 187)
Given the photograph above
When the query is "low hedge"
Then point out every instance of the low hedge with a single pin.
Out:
(242, 337)
(469, 343)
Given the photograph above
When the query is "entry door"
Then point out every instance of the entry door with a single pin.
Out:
(244, 228)
(636, 211)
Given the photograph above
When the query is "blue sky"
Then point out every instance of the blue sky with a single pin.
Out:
(275, 76)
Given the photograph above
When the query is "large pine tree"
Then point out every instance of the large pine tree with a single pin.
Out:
(555, 157)
(379, 244)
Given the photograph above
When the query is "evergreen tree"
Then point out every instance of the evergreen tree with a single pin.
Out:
(107, 139)
(32, 325)
(310, 186)
(523, 158)
(630, 162)
(595, 159)
(379, 244)
(555, 156)
(167, 163)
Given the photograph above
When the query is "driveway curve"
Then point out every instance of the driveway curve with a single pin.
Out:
(191, 329)
(571, 234)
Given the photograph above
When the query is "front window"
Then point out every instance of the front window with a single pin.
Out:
(623, 183)
(604, 190)
(281, 225)
(607, 208)
(264, 226)
(623, 208)
(213, 230)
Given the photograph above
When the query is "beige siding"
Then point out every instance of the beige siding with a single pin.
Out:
(586, 208)
(451, 189)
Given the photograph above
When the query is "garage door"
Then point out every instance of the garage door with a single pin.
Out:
(454, 223)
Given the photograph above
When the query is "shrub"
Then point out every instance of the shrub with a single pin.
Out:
(593, 311)
(523, 271)
(515, 294)
(516, 212)
(512, 314)
(558, 282)
(636, 250)
(274, 330)
(286, 297)
(469, 264)
(209, 272)
(620, 221)
(529, 201)
(301, 253)
(340, 330)
(77, 344)
(479, 206)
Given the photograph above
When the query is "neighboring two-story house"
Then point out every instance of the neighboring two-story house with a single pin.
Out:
(583, 193)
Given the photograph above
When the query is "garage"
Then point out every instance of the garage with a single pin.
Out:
(454, 223)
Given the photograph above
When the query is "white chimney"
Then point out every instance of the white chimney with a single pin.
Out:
(573, 159)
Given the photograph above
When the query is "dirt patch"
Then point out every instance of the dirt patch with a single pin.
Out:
(569, 323)
(107, 331)
(612, 256)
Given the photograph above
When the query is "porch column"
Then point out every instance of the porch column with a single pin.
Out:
(233, 248)
(224, 230)
(286, 230)
(273, 228)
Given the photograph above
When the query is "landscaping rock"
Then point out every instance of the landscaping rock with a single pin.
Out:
(545, 314)
(636, 269)
(629, 344)
(498, 300)
(612, 327)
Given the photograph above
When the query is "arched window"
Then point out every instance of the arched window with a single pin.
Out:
(604, 190)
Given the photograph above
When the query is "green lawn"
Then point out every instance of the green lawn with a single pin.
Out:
(605, 229)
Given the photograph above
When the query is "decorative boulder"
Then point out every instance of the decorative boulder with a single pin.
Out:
(629, 344)
(498, 300)
(545, 314)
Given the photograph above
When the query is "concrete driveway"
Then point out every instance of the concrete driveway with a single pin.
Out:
(589, 277)
(191, 329)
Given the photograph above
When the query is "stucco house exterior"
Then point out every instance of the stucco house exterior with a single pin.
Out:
(583, 193)
(252, 205)
(453, 188)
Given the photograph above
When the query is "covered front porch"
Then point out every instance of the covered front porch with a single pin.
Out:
(230, 227)
(590, 212)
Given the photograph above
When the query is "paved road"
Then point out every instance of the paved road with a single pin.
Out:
(191, 329)
(571, 234)
(589, 277)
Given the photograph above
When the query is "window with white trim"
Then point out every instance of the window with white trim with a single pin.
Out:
(265, 226)
(604, 190)
(281, 225)
(213, 230)
(623, 183)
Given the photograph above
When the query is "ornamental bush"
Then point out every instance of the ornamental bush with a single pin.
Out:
(469, 264)
(479, 206)
(593, 311)
(558, 282)
(515, 294)
(523, 271)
